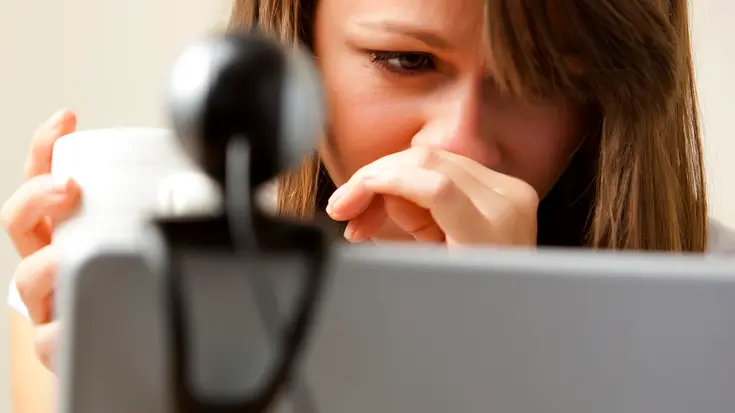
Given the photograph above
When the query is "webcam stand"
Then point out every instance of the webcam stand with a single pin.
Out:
(191, 314)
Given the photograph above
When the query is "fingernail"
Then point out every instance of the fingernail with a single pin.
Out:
(349, 232)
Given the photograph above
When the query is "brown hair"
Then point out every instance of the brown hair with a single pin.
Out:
(629, 60)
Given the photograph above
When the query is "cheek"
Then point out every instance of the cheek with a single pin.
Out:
(366, 123)
(539, 151)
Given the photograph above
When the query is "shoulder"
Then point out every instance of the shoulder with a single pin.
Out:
(721, 238)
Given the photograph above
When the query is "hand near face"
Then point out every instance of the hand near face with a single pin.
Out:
(437, 196)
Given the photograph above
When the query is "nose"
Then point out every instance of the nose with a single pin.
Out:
(458, 121)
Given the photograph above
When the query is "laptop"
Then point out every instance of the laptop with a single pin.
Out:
(411, 328)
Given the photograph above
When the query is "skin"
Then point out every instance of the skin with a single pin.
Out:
(433, 97)
(29, 217)
(422, 146)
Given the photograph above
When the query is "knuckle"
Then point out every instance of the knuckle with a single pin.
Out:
(37, 186)
(39, 183)
(43, 344)
(428, 158)
(33, 270)
(11, 221)
(446, 189)
(524, 195)
(23, 281)
(14, 207)
(42, 354)
(393, 175)
(528, 196)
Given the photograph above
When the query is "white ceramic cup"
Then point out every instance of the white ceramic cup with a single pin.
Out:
(128, 176)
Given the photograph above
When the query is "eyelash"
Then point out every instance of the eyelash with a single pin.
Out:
(383, 58)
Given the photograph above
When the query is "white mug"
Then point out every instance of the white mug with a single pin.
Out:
(128, 176)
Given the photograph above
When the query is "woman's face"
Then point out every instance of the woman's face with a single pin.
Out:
(405, 73)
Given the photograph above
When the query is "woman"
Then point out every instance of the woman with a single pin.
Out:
(569, 123)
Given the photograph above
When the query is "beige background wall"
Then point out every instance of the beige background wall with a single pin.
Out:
(714, 48)
(107, 60)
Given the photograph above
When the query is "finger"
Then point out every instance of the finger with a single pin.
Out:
(449, 205)
(412, 219)
(350, 200)
(46, 340)
(354, 198)
(368, 223)
(34, 279)
(422, 157)
(474, 168)
(511, 187)
(26, 213)
(486, 187)
(38, 162)
(435, 159)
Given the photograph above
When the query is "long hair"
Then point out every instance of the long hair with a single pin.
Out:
(628, 60)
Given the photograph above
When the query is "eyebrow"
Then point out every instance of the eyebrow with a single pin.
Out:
(406, 29)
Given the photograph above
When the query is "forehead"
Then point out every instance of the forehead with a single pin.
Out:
(456, 20)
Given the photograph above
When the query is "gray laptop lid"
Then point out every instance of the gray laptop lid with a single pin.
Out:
(420, 330)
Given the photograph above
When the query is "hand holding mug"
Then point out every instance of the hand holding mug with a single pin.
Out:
(96, 183)
(30, 216)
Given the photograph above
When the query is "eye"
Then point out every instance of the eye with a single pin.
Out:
(404, 62)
